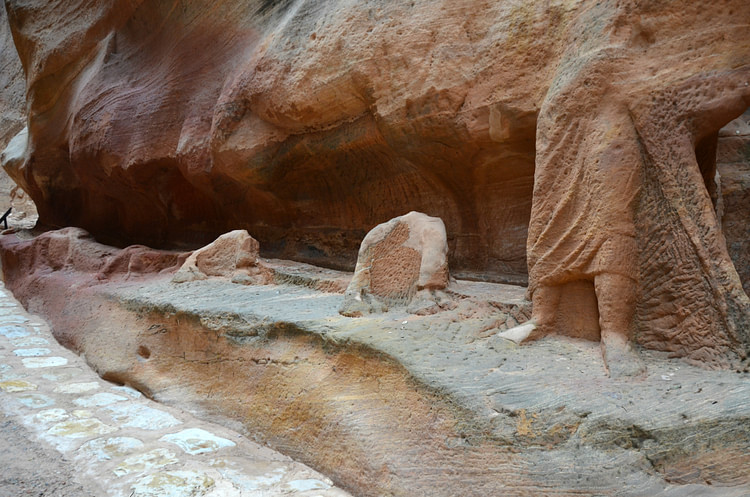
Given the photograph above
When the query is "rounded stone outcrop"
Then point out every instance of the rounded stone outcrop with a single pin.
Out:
(397, 260)
(233, 255)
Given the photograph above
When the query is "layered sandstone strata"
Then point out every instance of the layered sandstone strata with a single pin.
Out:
(309, 122)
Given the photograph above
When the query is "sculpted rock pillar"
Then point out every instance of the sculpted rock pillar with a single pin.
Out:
(623, 201)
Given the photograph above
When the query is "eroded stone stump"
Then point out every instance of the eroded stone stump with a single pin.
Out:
(233, 255)
(397, 260)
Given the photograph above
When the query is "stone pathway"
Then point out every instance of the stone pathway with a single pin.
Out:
(124, 443)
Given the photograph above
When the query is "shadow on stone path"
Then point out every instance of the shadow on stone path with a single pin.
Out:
(111, 439)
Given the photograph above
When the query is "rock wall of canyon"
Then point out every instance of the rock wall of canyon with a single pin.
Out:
(590, 126)
(12, 120)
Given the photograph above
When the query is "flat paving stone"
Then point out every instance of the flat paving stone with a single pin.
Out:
(29, 341)
(44, 362)
(99, 400)
(77, 388)
(157, 458)
(197, 441)
(14, 331)
(104, 449)
(52, 415)
(81, 428)
(142, 416)
(35, 400)
(38, 352)
(173, 484)
(17, 386)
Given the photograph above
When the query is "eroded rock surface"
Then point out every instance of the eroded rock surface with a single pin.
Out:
(398, 260)
(309, 122)
(398, 404)
(733, 158)
(233, 255)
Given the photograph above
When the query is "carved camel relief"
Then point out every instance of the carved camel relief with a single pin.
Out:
(624, 170)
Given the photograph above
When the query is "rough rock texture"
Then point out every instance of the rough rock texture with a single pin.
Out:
(308, 122)
(74, 250)
(398, 404)
(233, 255)
(398, 259)
(733, 163)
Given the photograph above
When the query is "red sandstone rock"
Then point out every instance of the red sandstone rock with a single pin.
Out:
(233, 255)
(73, 250)
(309, 123)
(12, 120)
(12, 85)
(397, 259)
(733, 163)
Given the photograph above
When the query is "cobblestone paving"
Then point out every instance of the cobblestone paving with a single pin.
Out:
(127, 444)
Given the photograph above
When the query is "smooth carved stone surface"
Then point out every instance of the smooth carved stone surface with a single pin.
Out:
(397, 259)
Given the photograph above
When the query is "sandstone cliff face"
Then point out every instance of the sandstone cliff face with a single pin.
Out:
(12, 85)
(12, 120)
(733, 163)
(309, 122)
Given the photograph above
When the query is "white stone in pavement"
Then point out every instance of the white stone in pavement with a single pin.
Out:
(130, 391)
(13, 331)
(17, 386)
(32, 352)
(77, 388)
(44, 362)
(13, 319)
(9, 374)
(29, 341)
(197, 441)
(80, 428)
(255, 482)
(35, 400)
(172, 484)
(305, 485)
(99, 400)
(104, 449)
(52, 415)
(61, 375)
(154, 459)
(141, 416)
